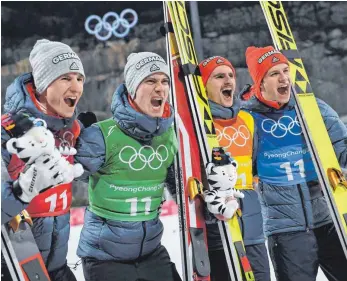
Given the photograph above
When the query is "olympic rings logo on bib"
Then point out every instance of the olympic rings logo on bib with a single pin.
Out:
(66, 146)
(110, 23)
(280, 128)
(138, 161)
(237, 136)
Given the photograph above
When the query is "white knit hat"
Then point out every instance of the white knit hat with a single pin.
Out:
(51, 59)
(141, 65)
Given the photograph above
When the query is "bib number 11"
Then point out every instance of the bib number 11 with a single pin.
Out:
(52, 200)
(288, 169)
(133, 205)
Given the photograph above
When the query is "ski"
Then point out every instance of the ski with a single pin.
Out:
(18, 246)
(20, 251)
(188, 170)
(332, 181)
(200, 115)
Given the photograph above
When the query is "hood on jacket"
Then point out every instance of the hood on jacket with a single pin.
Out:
(134, 123)
(19, 99)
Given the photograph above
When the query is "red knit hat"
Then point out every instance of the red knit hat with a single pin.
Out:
(259, 62)
(208, 65)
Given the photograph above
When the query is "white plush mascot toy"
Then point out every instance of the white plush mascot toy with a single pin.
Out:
(36, 147)
(222, 197)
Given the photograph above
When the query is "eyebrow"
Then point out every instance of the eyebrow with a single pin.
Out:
(156, 79)
(278, 70)
(150, 78)
(273, 72)
(223, 73)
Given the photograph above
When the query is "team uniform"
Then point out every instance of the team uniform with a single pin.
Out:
(301, 235)
(128, 161)
(236, 136)
(235, 131)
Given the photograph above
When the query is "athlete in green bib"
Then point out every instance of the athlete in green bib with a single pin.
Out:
(128, 160)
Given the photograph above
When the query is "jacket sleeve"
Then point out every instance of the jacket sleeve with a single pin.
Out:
(255, 150)
(5, 155)
(170, 182)
(10, 205)
(91, 150)
(337, 131)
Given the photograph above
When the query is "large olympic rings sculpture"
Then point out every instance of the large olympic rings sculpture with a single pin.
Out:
(104, 24)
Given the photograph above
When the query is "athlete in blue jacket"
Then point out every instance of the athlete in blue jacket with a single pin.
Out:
(51, 92)
(301, 235)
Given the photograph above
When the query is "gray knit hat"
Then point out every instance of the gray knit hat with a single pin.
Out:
(51, 59)
(141, 65)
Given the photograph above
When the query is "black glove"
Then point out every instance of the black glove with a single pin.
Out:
(245, 93)
(87, 118)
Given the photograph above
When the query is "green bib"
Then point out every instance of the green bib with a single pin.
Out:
(129, 186)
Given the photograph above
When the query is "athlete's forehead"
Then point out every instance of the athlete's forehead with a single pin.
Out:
(278, 67)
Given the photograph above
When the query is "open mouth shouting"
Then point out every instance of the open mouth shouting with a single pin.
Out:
(227, 93)
(70, 101)
(156, 103)
(227, 96)
(284, 90)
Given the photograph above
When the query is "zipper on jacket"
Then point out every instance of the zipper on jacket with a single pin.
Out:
(143, 239)
(303, 205)
(158, 126)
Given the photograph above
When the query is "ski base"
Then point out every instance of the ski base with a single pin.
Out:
(20, 251)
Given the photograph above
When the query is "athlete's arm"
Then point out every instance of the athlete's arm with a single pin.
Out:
(91, 151)
(10, 205)
(5, 155)
(13, 126)
(170, 181)
(255, 150)
(337, 131)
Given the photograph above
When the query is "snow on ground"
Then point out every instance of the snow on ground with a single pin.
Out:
(170, 241)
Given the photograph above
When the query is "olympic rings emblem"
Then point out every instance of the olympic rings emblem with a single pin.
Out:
(237, 136)
(155, 156)
(280, 128)
(104, 29)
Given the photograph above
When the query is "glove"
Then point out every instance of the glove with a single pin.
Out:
(47, 171)
(16, 124)
(246, 93)
(87, 118)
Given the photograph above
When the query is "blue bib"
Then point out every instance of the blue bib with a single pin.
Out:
(283, 156)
